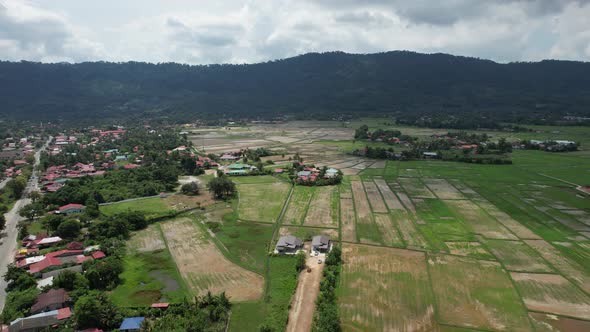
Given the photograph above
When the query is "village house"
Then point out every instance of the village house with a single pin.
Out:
(71, 209)
(40, 321)
(131, 324)
(331, 172)
(320, 244)
(56, 258)
(229, 157)
(289, 245)
(52, 300)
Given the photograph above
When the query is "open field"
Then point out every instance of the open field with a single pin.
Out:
(319, 212)
(262, 202)
(415, 188)
(150, 274)
(488, 247)
(572, 270)
(202, 265)
(152, 207)
(388, 195)
(478, 294)
(443, 189)
(552, 323)
(517, 256)
(389, 232)
(366, 229)
(298, 205)
(374, 196)
(377, 282)
(479, 220)
(552, 293)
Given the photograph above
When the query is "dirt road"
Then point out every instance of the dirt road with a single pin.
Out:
(303, 305)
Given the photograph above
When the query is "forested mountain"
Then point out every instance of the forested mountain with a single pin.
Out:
(313, 84)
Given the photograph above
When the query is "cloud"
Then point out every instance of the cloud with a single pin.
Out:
(39, 35)
(239, 31)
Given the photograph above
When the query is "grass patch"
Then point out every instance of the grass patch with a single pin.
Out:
(147, 278)
(152, 207)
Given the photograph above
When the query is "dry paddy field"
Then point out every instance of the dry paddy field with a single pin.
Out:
(481, 222)
(366, 229)
(148, 240)
(385, 289)
(390, 199)
(517, 256)
(347, 215)
(552, 323)
(568, 268)
(443, 189)
(415, 188)
(551, 293)
(410, 234)
(298, 204)
(477, 294)
(262, 202)
(204, 268)
(470, 249)
(517, 228)
(377, 203)
(319, 212)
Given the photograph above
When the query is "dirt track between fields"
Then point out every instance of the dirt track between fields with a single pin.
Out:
(303, 305)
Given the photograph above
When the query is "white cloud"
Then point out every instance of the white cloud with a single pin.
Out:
(28, 32)
(237, 31)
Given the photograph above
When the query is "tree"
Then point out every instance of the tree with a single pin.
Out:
(300, 264)
(34, 196)
(222, 187)
(96, 310)
(69, 229)
(104, 273)
(17, 186)
(52, 221)
(70, 280)
(31, 211)
(191, 188)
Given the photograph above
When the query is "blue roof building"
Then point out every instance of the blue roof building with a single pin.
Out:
(131, 324)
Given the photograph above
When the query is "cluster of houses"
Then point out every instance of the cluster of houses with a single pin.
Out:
(55, 176)
(291, 245)
(52, 307)
(312, 174)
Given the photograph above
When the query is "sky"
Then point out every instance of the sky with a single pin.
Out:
(233, 31)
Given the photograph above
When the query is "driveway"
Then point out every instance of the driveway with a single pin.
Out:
(308, 288)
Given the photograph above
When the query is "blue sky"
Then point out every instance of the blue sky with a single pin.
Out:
(233, 31)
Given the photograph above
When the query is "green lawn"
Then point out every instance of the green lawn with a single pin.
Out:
(274, 309)
(152, 207)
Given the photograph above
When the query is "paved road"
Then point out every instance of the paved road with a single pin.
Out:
(8, 243)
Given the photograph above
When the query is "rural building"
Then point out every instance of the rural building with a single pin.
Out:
(45, 282)
(331, 172)
(40, 321)
(288, 245)
(132, 324)
(320, 243)
(430, 155)
(71, 208)
(52, 300)
(229, 157)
